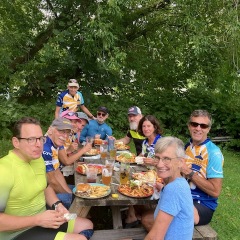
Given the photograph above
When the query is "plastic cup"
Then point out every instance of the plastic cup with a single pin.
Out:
(89, 139)
(103, 151)
(110, 163)
(113, 153)
(106, 175)
(92, 174)
(124, 173)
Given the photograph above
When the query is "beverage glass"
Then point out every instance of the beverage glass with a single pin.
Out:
(103, 151)
(92, 174)
(111, 143)
(89, 139)
(124, 173)
(113, 153)
(106, 175)
(97, 139)
(110, 163)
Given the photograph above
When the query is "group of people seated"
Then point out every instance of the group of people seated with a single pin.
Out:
(35, 196)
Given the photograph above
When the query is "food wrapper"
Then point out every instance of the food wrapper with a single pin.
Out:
(70, 216)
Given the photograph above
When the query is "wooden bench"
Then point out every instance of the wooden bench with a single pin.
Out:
(221, 139)
(200, 233)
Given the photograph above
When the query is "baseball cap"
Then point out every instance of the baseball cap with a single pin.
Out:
(134, 110)
(69, 115)
(103, 109)
(73, 83)
(82, 115)
(62, 123)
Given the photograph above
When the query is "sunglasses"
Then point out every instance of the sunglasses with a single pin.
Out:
(101, 114)
(202, 125)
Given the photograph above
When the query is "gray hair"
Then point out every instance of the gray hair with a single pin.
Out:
(165, 142)
(201, 113)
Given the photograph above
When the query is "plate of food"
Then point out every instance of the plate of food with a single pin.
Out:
(136, 189)
(82, 168)
(92, 152)
(126, 157)
(91, 190)
(147, 177)
(120, 146)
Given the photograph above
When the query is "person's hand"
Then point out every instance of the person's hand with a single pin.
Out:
(185, 170)
(87, 147)
(50, 219)
(149, 161)
(61, 209)
(159, 186)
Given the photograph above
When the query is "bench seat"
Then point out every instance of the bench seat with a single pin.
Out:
(205, 232)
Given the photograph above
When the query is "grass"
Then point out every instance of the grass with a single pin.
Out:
(226, 219)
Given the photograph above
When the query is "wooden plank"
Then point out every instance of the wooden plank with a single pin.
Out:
(207, 232)
(119, 234)
(80, 211)
(116, 215)
(197, 235)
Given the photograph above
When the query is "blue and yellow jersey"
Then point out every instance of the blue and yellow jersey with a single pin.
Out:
(67, 101)
(50, 155)
(207, 160)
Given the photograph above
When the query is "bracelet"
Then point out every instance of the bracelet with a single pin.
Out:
(190, 175)
(54, 206)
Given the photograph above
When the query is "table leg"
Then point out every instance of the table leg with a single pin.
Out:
(116, 215)
(80, 211)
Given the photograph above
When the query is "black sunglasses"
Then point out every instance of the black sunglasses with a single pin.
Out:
(202, 125)
(101, 114)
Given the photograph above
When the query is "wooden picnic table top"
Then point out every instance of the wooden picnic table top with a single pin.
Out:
(81, 206)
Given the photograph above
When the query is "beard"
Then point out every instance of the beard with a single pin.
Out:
(133, 125)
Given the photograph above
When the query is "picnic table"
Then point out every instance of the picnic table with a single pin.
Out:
(82, 206)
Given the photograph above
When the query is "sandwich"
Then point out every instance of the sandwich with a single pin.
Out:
(83, 189)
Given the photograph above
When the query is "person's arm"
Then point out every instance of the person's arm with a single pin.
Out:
(47, 219)
(57, 181)
(126, 140)
(160, 226)
(211, 186)
(84, 134)
(57, 111)
(68, 160)
(85, 109)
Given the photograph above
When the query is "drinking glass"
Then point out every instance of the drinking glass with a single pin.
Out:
(92, 174)
(103, 151)
(113, 153)
(124, 173)
(106, 175)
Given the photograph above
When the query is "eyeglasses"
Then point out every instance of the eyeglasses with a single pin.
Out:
(101, 114)
(165, 160)
(33, 140)
(202, 125)
(72, 81)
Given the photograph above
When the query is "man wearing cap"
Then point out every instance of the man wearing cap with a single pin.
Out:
(71, 152)
(134, 116)
(97, 126)
(71, 99)
(58, 133)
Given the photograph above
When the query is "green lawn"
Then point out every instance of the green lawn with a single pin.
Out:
(226, 220)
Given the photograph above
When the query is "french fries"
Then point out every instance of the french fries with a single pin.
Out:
(98, 191)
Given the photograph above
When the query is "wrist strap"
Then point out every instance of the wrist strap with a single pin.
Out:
(55, 204)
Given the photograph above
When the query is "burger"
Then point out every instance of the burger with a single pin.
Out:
(83, 189)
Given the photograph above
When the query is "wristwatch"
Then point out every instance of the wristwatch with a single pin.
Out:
(190, 175)
(54, 206)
